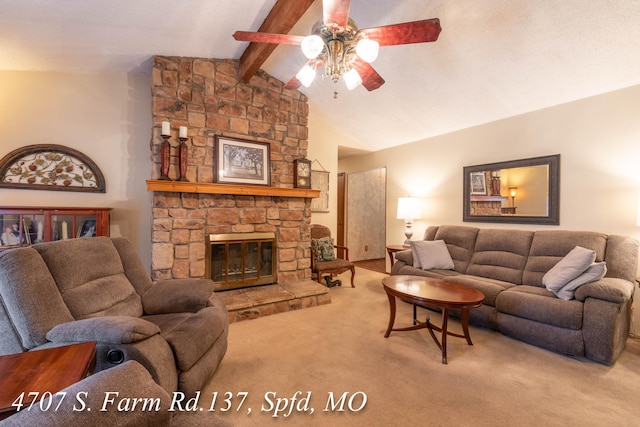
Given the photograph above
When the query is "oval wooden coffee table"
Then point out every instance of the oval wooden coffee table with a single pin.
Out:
(433, 293)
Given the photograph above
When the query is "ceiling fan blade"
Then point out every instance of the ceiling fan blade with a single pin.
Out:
(293, 83)
(336, 12)
(248, 36)
(371, 80)
(423, 31)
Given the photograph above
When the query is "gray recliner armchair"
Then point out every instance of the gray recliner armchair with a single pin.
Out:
(96, 289)
(93, 402)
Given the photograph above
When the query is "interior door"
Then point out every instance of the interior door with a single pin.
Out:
(366, 214)
(341, 213)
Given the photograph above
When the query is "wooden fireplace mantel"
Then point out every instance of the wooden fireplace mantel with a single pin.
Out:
(241, 190)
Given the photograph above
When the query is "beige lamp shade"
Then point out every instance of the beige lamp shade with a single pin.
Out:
(408, 208)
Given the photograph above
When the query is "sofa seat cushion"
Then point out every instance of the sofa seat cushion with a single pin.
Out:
(412, 271)
(491, 288)
(190, 335)
(540, 305)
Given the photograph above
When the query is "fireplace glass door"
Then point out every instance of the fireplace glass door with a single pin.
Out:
(240, 260)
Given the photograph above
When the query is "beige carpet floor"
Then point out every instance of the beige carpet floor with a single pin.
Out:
(339, 347)
(378, 264)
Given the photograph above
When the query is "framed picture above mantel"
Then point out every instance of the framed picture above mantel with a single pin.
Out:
(241, 161)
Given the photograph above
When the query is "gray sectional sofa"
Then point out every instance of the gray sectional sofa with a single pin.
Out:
(508, 266)
(96, 289)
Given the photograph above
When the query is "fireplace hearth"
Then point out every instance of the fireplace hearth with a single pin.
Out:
(240, 260)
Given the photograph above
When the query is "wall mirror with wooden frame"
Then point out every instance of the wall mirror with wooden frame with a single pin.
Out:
(525, 191)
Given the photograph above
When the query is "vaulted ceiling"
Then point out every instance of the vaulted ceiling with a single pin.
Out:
(494, 58)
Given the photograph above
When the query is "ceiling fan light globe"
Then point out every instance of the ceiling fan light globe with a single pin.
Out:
(306, 75)
(312, 46)
(352, 79)
(367, 49)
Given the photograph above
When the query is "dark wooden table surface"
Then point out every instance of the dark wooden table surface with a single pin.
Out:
(33, 373)
(434, 293)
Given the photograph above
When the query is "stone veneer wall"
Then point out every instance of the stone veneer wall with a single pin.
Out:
(206, 96)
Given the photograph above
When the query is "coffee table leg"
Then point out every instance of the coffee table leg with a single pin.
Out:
(392, 314)
(443, 340)
(464, 320)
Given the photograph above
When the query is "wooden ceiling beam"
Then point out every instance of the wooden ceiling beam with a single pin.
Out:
(283, 16)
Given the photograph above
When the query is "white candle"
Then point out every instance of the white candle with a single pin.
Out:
(40, 232)
(183, 132)
(65, 235)
(166, 128)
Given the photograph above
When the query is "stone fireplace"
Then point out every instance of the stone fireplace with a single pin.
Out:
(206, 96)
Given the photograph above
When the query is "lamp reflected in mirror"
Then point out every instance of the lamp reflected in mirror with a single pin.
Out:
(513, 192)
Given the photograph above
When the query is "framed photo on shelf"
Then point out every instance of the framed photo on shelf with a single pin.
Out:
(240, 161)
(87, 229)
(478, 184)
(14, 233)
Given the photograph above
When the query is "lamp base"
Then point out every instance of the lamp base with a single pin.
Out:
(408, 232)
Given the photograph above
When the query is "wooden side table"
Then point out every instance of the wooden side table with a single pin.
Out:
(42, 371)
(392, 249)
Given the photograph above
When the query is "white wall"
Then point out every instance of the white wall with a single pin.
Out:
(323, 148)
(105, 116)
(597, 138)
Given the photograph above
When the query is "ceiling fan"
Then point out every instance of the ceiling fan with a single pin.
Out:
(344, 50)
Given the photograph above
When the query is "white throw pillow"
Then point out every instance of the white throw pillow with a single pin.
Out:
(430, 254)
(571, 266)
(596, 271)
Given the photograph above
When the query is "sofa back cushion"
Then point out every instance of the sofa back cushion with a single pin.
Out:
(551, 246)
(622, 257)
(91, 277)
(460, 241)
(500, 254)
(31, 302)
(134, 269)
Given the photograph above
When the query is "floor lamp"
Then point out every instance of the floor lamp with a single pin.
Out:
(408, 210)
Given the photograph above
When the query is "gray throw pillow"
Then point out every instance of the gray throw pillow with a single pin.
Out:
(596, 271)
(568, 268)
(431, 254)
